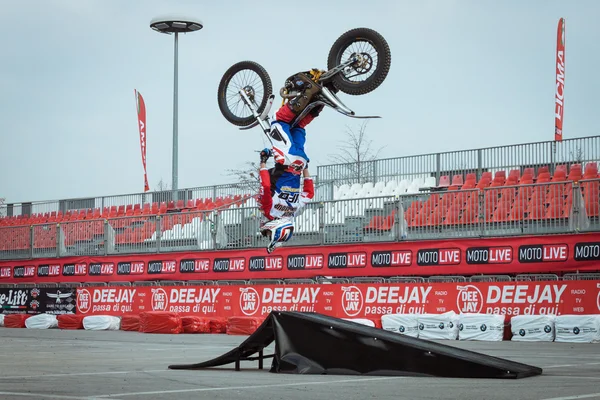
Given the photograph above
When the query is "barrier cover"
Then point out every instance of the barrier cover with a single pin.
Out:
(218, 325)
(369, 301)
(531, 254)
(160, 322)
(70, 321)
(243, 325)
(532, 328)
(15, 320)
(577, 328)
(481, 327)
(130, 322)
(438, 326)
(362, 321)
(101, 323)
(41, 321)
(192, 324)
(405, 324)
(311, 343)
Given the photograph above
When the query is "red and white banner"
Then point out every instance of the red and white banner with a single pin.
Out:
(141, 114)
(559, 98)
(348, 300)
(510, 255)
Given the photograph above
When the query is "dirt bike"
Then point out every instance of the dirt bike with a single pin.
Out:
(358, 63)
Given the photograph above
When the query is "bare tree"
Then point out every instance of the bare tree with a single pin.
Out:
(357, 155)
(247, 177)
(2, 208)
(161, 186)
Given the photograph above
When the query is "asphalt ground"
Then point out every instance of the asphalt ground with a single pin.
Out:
(55, 364)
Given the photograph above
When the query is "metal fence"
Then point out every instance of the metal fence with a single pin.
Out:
(413, 173)
(502, 158)
(553, 207)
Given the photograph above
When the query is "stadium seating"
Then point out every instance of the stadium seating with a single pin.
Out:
(179, 221)
(497, 198)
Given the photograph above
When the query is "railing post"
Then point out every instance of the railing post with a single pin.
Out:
(574, 215)
(31, 239)
(59, 237)
(481, 216)
(397, 229)
(321, 215)
(479, 165)
(438, 167)
(106, 234)
(158, 233)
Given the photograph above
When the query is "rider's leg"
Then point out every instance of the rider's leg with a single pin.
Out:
(288, 144)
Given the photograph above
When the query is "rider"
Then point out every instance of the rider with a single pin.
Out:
(288, 142)
(281, 197)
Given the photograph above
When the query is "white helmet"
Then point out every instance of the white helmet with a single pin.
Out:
(279, 231)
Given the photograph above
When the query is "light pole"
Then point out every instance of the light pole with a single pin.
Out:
(175, 24)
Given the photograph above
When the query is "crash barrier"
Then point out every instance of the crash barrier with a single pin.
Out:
(557, 254)
(443, 326)
(513, 210)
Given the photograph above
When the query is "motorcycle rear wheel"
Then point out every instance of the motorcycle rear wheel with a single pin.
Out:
(377, 59)
(255, 80)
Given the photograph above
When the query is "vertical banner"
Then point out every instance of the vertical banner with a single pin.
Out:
(141, 113)
(559, 98)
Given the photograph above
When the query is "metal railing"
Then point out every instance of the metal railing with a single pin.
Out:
(548, 154)
(426, 168)
(553, 207)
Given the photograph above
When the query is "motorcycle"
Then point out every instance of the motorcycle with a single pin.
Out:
(358, 63)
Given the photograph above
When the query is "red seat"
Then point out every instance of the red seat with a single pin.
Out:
(444, 181)
(457, 182)
(453, 214)
(590, 171)
(146, 209)
(502, 211)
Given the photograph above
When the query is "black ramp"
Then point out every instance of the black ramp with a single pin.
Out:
(309, 343)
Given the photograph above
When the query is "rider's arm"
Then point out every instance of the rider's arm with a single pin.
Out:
(266, 202)
(309, 187)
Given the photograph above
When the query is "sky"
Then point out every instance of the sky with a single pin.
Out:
(464, 74)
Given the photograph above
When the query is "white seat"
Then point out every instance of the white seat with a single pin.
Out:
(378, 189)
(355, 191)
(391, 184)
(341, 192)
(429, 182)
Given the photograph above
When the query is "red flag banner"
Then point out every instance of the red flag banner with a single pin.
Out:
(559, 98)
(141, 112)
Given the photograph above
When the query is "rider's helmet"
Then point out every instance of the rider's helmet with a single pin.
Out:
(278, 231)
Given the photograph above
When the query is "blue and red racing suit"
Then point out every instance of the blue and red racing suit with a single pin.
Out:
(287, 197)
(288, 143)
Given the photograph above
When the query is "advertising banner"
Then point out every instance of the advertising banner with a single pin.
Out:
(348, 300)
(559, 253)
(37, 301)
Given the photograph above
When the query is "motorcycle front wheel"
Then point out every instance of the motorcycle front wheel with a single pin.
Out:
(255, 81)
(365, 75)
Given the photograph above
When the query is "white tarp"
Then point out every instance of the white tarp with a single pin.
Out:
(362, 321)
(101, 323)
(405, 324)
(532, 328)
(578, 328)
(1, 319)
(438, 326)
(488, 327)
(41, 321)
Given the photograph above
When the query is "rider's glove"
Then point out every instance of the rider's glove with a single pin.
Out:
(265, 154)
